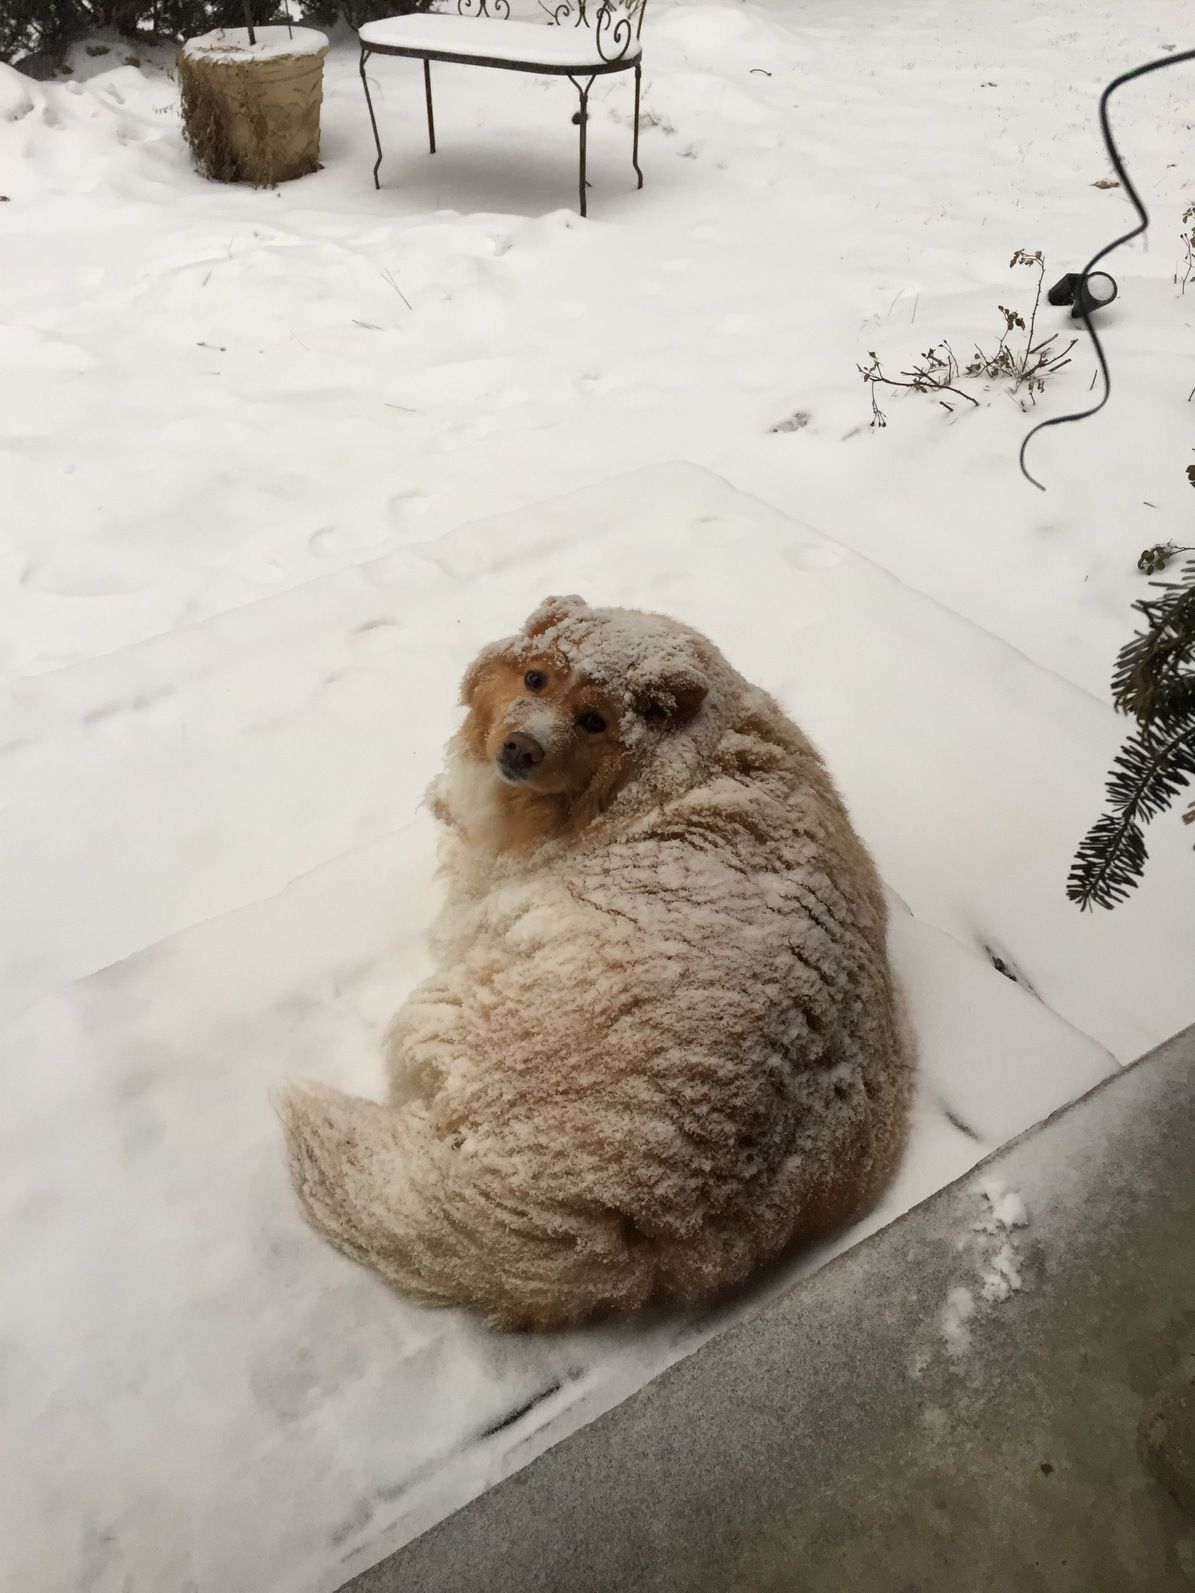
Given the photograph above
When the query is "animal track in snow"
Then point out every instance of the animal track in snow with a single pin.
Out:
(78, 576)
(812, 556)
(378, 635)
(110, 714)
(345, 541)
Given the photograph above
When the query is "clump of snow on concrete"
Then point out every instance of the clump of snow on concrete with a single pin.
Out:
(1007, 1208)
(994, 1261)
(959, 1309)
(1001, 1273)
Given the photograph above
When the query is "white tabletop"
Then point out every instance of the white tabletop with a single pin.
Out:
(546, 43)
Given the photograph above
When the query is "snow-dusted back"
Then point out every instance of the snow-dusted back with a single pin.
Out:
(656, 1050)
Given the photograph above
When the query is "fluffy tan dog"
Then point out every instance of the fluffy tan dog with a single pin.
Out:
(665, 1040)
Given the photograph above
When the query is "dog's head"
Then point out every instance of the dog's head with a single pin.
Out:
(582, 701)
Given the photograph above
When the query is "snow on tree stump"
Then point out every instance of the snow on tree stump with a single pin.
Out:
(251, 112)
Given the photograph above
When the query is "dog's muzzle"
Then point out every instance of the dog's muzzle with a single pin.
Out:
(520, 755)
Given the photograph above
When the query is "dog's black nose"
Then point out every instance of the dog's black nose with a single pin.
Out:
(521, 753)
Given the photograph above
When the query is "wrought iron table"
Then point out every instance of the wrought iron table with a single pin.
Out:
(572, 45)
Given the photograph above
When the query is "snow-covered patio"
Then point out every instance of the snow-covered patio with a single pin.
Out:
(275, 463)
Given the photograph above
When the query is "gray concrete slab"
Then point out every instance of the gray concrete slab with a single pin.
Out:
(951, 1407)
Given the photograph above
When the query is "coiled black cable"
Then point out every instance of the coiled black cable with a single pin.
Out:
(1126, 183)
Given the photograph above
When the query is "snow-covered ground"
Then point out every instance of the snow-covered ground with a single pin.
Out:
(274, 464)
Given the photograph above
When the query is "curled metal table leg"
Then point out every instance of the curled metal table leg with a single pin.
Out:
(427, 89)
(373, 121)
(583, 121)
(635, 145)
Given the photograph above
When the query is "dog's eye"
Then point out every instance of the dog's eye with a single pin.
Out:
(535, 680)
(592, 722)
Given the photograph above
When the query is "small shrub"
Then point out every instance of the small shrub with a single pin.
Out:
(1153, 560)
(1186, 266)
(1026, 365)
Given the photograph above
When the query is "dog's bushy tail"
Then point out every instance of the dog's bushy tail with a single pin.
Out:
(444, 1228)
(357, 1169)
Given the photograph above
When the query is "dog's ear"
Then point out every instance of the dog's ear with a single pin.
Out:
(474, 673)
(553, 611)
(673, 698)
(469, 683)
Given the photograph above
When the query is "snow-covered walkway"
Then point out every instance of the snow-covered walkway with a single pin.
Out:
(274, 464)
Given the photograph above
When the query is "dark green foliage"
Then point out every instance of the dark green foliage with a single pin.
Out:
(323, 13)
(35, 34)
(1154, 681)
(1154, 560)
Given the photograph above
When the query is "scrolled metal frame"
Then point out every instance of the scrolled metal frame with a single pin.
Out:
(484, 8)
(614, 32)
(619, 30)
(607, 30)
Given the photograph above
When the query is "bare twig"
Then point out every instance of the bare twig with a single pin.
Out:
(388, 276)
(1187, 266)
(938, 370)
(1036, 361)
(937, 373)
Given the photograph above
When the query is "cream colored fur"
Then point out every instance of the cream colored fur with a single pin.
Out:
(658, 1050)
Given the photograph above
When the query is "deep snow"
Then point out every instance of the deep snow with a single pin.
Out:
(275, 464)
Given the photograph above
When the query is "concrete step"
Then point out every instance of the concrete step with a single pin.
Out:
(965, 1403)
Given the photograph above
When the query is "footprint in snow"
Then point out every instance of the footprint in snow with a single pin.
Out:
(797, 421)
(378, 635)
(80, 577)
(158, 706)
(344, 542)
(1003, 964)
(812, 556)
(399, 503)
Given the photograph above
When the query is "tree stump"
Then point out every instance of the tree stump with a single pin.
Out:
(251, 112)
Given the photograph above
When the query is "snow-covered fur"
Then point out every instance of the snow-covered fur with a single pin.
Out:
(665, 1040)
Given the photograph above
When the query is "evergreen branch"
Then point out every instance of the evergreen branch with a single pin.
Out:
(1155, 660)
(1148, 774)
(1109, 863)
